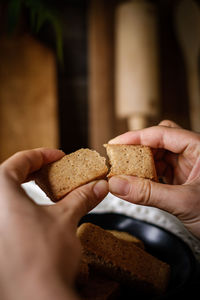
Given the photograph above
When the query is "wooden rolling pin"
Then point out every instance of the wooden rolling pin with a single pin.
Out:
(188, 33)
(137, 63)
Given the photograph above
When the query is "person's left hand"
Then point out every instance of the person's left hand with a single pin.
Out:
(39, 250)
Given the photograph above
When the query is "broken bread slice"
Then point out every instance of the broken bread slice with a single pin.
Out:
(123, 261)
(134, 160)
(73, 170)
(78, 168)
(125, 236)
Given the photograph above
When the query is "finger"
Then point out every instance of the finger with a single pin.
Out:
(172, 139)
(80, 201)
(146, 192)
(169, 123)
(19, 166)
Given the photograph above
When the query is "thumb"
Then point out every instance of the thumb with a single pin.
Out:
(170, 198)
(80, 201)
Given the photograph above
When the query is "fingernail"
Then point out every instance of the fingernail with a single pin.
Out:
(119, 186)
(100, 188)
(113, 141)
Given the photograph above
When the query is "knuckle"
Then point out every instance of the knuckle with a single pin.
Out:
(86, 200)
(142, 192)
(168, 123)
(165, 122)
(82, 200)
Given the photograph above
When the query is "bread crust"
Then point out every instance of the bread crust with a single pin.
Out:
(59, 178)
(133, 160)
(125, 236)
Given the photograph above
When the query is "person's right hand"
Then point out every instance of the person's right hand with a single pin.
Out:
(177, 158)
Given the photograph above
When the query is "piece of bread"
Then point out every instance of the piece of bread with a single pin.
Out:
(123, 261)
(83, 271)
(61, 177)
(125, 236)
(135, 160)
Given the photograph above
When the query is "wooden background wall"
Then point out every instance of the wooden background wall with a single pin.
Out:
(83, 79)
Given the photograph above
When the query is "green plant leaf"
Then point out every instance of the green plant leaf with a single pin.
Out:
(59, 40)
(14, 10)
(33, 15)
(40, 12)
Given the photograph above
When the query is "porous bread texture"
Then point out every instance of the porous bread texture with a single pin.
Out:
(78, 168)
(61, 177)
(134, 160)
(125, 236)
(123, 261)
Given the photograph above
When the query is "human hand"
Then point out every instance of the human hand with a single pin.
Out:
(177, 159)
(39, 250)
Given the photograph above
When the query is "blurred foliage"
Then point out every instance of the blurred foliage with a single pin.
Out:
(40, 12)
